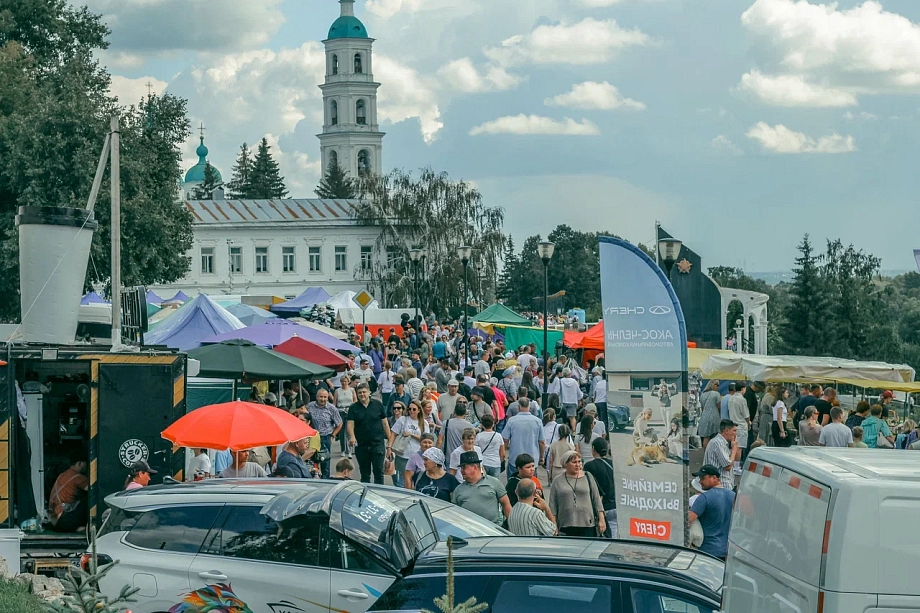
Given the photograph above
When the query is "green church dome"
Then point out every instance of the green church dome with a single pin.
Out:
(195, 174)
(347, 26)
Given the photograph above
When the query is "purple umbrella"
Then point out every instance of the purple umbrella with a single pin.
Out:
(276, 331)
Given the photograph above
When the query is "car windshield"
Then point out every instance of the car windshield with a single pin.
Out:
(454, 521)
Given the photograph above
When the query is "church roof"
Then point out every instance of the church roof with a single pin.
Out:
(347, 26)
(195, 174)
(215, 212)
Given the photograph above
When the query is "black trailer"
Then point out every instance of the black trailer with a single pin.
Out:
(107, 407)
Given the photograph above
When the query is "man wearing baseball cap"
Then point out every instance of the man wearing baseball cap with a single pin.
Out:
(479, 493)
(713, 509)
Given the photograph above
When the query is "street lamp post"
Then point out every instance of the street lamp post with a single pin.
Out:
(465, 252)
(739, 333)
(668, 250)
(416, 256)
(546, 250)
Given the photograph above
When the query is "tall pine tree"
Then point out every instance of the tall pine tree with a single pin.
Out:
(337, 184)
(807, 314)
(507, 288)
(207, 187)
(238, 187)
(265, 180)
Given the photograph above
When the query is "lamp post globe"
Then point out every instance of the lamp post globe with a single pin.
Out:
(668, 251)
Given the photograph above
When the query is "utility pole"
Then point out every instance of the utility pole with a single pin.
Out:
(116, 234)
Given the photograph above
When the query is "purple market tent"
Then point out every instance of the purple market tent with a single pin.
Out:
(179, 297)
(250, 315)
(198, 319)
(93, 298)
(309, 297)
(152, 298)
(276, 331)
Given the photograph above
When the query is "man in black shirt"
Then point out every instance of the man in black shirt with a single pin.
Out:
(601, 468)
(824, 408)
(488, 395)
(369, 434)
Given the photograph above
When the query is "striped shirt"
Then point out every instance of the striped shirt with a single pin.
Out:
(719, 454)
(528, 520)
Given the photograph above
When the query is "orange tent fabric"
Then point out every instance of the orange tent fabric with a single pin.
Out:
(592, 338)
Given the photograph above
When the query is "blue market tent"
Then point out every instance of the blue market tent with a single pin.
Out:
(250, 315)
(197, 319)
(93, 298)
(179, 297)
(152, 298)
(310, 296)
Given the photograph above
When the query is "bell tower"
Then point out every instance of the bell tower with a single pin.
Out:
(350, 134)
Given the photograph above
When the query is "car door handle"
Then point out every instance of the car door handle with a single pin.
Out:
(215, 575)
(352, 594)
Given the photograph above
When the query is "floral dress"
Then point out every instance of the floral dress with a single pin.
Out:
(708, 425)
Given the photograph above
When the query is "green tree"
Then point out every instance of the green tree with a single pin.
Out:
(807, 315)
(81, 595)
(506, 289)
(207, 187)
(336, 184)
(54, 114)
(435, 211)
(265, 180)
(239, 185)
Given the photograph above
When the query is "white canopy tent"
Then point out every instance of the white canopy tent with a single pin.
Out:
(375, 317)
(787, 368)
(346, 300)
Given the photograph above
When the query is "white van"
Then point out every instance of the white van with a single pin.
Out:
(821, 530)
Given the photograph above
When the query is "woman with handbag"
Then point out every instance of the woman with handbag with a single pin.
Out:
(493, 447)
(557, 450)
(405, 439)
(876, 433)
(576, 501)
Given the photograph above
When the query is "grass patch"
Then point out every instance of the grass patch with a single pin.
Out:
(15, 599)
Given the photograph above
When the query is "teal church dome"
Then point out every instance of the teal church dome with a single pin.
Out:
(347, 26)
(195, 174)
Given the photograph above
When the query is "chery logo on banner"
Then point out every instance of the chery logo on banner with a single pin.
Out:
(647, 528)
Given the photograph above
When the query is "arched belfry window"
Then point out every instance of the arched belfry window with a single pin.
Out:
(333, 159)
(360, 113)
(364, 163)
(335, 64)
(359, 67)
(334, 113)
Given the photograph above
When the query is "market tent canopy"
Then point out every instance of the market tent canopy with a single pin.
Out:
(93, 298)
(346, 300)
(152, 298)
(238, 359)
(785, 368)
(152, 310)
(302, 349)
(697, 357)
(325, 329)
(499, 314)
(309, 297)
(275, 331)
(179, 297)
(250, 315)
(592, 338)
(196, 320)
(517, 336)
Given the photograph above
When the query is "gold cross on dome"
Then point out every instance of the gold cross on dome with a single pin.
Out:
(201, 129)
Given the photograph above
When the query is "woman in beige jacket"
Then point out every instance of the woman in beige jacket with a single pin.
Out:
(554, 465)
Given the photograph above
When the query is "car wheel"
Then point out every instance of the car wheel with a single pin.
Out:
(614, 424)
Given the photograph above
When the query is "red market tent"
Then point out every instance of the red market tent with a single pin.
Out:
(592, 338)
(309, 351)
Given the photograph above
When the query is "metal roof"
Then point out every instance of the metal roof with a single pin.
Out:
(278, 211)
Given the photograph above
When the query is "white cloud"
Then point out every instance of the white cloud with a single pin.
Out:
(723, 143)
(463, 76)
(587, 42)
(406, 95)
(388, 8)
(154, 26)
(861, 115)
(535, 124)
(865, 49)
(131, 91)
(300, 172)
(793, 90)
(597, 96)
(780, 139)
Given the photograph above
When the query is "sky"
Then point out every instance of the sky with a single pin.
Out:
(739, 125)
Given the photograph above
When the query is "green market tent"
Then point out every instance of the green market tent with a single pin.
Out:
(152, 309)
(499, 314)
(515, 336)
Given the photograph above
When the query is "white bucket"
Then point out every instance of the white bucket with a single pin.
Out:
(9, 548)
(54, 244)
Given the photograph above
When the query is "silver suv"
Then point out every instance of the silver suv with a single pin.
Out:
(272, 546)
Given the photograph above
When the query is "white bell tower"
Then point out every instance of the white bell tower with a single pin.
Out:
(350, 135)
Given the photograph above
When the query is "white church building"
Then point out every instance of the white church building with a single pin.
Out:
(281, 247)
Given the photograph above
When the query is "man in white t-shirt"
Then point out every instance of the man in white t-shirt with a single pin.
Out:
(526, 360)
(836, 434)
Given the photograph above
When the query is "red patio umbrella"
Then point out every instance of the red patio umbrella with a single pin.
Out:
(309, 351)
(237, 426)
